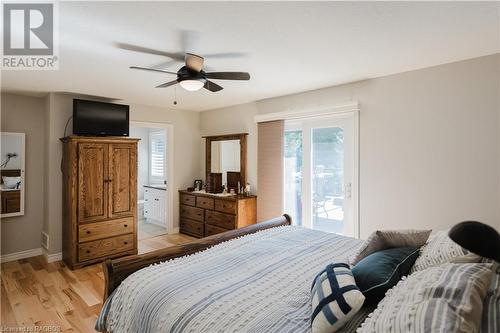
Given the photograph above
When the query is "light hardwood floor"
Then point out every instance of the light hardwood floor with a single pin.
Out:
(36, 294)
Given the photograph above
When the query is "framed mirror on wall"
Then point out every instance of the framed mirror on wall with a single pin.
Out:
(226, 156)
(12, 180)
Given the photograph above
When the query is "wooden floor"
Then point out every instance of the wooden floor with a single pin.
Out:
(35, 293)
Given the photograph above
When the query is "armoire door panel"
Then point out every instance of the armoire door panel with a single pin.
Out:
(92, 174)
(122, 175)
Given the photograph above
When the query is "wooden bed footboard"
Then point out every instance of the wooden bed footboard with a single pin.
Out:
(117, 270)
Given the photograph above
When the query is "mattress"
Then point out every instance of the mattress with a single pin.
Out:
(253, 284)
(257, 283)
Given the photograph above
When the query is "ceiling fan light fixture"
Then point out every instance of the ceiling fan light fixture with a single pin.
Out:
(192, 84)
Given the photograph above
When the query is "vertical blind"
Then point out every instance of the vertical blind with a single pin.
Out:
(157, 163)
(270, 149)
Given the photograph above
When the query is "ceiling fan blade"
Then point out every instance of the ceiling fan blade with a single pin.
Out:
(228, 75)
(152, 69)
(225, 55)
(213, 87)
(194, 62)
(167, 84)
(174, 55)
(166, 64)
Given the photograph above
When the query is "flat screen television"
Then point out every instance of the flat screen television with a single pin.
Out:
(100, 119)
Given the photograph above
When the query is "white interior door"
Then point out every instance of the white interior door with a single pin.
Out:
(320, 174)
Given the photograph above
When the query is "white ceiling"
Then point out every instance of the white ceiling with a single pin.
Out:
(290, 47)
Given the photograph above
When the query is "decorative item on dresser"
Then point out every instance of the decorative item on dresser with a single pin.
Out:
(99, 199)
(203, 214)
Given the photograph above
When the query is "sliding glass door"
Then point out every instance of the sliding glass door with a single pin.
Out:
(319, 173)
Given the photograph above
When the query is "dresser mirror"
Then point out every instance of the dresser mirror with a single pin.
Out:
(12, 180)
(226, 155)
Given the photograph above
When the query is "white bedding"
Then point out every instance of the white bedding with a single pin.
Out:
(257, 283)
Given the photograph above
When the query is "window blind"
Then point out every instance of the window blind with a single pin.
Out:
(157, 163)
(270, 149)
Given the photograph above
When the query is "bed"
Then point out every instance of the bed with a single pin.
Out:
(254, 279)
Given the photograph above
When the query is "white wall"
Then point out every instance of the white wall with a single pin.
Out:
(236, 119)
(187, 147)
(429, 142)
(142, 158)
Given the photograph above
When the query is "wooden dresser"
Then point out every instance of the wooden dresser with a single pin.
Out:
(204, 215)
(99, 199)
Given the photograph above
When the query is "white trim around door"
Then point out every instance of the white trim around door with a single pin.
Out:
(349, 109)
(169, 167)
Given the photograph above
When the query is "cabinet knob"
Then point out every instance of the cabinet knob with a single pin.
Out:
(125, 243)
(88, 251)
(125, 225)
(88, 232)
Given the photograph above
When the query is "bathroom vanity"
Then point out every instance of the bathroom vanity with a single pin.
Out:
(154, 204)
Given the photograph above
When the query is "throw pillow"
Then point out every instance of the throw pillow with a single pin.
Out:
(382, 270)
(385, 239)
(335, 298)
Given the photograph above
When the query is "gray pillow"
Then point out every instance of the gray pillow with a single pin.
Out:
(446, 298)
(386, 239)
(441, 249)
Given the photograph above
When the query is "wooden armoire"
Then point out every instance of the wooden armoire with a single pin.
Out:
(99, 199)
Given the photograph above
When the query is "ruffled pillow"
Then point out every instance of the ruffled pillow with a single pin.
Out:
(441, 249)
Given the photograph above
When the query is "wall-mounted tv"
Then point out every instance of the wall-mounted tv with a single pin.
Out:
(100, 119)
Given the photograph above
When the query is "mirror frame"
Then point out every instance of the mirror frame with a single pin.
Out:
(243, 153)
(23, 180)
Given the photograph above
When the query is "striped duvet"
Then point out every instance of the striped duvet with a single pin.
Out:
(257, 283)
(254, 284)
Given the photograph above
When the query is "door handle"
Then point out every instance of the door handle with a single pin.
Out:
(348, 190)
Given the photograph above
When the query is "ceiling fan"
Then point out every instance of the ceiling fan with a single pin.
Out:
(191, 76)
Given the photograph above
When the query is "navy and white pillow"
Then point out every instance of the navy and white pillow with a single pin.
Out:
(335, 298)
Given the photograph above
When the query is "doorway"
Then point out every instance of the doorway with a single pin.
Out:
(154, 207)
(321, 173)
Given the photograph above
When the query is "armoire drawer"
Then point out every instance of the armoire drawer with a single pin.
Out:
(98, 230)
(105, 247)
(221, 220)
(191, 227)
(206, 203)
(213, 230)
(187, 199)
(225, 206)
(192, 213)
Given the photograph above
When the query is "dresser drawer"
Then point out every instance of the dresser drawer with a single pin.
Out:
(206, 203)
(221, 220)
(105, 247)
(98, 230)
(192, 213)
(187, 199)
(226, 206)
(191, 227)
(213, 230)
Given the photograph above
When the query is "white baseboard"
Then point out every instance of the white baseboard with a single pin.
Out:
(175, 231)
(21, 255)
(52, 257)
